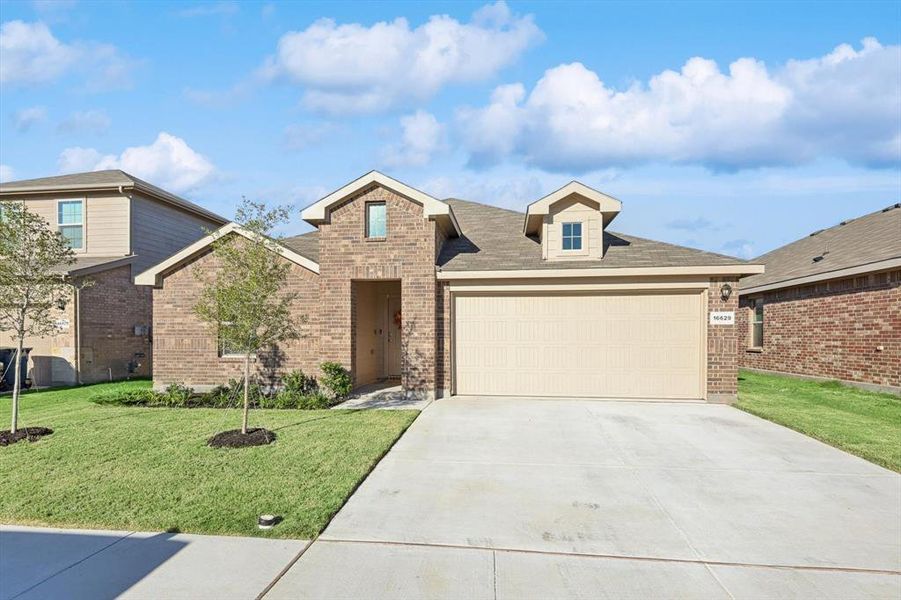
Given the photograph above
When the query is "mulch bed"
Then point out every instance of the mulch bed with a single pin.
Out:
(32, 434)
(235, 439)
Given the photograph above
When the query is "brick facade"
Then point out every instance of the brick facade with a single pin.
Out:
(111, 308)
(847, 329)
(722, 344)
(185, 351)
(407, 254)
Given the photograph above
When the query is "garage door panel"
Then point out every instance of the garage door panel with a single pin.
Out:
(638, 345)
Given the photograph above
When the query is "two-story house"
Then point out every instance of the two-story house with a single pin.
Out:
(457, 297)
(118, 226)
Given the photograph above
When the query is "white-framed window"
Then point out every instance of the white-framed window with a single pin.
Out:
(225, 351)
(70, 222)
(376, 220)
(757, 324)
(572, 236)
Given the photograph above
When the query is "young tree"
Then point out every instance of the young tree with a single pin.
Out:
(33, 261)
(243, 298)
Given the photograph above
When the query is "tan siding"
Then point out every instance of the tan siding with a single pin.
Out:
(105, 220)
(573, 210)
(106, 226)
(160, 230)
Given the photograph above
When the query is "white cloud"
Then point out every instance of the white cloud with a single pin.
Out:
(30, 54)
(422, 137)
(91, 121)
(168, 162)
(351, 68)
(6, 173)
(24, 119)
(846, 104)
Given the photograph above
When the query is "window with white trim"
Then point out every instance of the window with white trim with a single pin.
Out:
(70, 222)
(572, 236)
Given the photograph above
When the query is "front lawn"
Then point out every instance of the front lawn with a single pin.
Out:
(150, 468)
(864, 423)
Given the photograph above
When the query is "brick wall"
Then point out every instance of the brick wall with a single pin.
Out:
(830, 329)
(186, 351)
(722, 344)
(110, 309)
(407, 254)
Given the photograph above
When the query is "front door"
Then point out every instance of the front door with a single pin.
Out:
(393, 322)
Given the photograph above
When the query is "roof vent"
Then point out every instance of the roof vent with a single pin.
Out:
(817, 259)
(888, 208)
(817, 231)
(845, 222)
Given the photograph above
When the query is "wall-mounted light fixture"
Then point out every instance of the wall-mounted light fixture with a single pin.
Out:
(725, 291)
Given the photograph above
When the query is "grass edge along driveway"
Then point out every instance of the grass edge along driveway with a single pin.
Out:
(132, 468)
(866, 424)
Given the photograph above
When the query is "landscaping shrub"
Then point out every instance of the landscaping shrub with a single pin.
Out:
(140, 397)
(177, 394)
(299, 392)
(297, 382)
(335, 380)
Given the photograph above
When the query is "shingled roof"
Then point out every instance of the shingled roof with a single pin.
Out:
(305, 244)
(102, 180)
(492, 240)
(867, 240)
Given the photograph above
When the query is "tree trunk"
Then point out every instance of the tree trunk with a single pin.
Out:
(246, 393)
(17, 365)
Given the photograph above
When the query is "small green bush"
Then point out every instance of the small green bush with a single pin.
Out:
(335, 380)
(297, 382)
(177, 394)
(315, 401)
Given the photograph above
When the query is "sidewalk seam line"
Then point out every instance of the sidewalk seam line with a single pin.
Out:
(285, 569)
(718, 563)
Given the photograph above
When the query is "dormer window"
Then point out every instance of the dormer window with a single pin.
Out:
(572, 236)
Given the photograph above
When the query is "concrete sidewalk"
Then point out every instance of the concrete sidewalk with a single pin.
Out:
(81, 564)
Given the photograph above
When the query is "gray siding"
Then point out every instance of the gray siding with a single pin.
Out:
(159, 230)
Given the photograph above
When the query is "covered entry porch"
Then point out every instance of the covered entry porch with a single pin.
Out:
(377, 321)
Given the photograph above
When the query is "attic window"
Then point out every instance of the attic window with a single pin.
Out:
(572, 236)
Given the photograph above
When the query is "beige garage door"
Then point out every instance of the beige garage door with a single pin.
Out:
(637, 345)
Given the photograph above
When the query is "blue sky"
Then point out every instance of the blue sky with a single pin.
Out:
(726, 126)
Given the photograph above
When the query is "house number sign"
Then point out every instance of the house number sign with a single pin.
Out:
(725, 317)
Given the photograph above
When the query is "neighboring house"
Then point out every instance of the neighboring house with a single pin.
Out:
(829, 304)
(455, 297)
(118, 226)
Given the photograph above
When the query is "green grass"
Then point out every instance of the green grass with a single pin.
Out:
(864, 423)
(150, 468)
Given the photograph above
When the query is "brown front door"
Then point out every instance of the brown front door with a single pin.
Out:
(392, 339)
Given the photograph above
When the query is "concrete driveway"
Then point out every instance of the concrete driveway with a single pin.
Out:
(514, 498)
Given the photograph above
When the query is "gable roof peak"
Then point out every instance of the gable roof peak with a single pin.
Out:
(433, 208)
(608, 206)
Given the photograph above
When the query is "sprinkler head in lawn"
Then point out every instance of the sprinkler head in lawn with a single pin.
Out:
(32, 434)
(235, 439)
